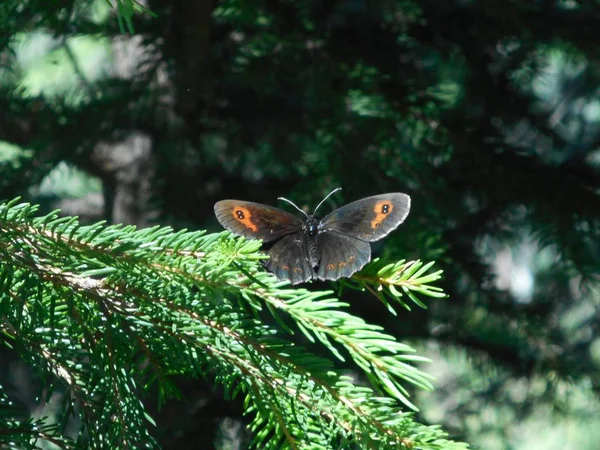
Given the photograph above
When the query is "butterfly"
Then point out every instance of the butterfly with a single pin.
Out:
(334, 247)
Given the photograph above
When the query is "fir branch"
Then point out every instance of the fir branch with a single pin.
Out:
(383, 280)
(109, 310)
(319, 317)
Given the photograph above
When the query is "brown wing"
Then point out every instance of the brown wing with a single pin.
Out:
(341, 256)
(368, 219)
(288, 259)
(253, 220)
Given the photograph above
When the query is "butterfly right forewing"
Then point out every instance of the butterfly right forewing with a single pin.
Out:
(368, 219)
(255, 220)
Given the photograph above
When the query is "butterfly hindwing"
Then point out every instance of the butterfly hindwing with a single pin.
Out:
(288, 259)
(368, 219)
(254, 220)
(341, 255)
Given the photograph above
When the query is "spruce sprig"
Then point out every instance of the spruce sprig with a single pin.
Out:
(391, 281)
(105, 312)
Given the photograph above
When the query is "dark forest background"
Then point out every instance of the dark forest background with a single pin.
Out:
(487, 113)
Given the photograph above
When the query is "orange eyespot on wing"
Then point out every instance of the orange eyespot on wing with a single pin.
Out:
(381, 209)
(244, 216)
(256, 221)
(368, 219)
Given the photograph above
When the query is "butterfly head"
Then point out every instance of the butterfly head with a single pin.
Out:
(311, 226)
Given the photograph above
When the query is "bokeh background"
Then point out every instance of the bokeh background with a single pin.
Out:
(486, 112)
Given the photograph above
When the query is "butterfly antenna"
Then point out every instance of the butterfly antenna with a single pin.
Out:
(293, 204)
(328, 195)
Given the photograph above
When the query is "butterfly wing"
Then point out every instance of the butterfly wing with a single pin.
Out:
(254, 220)
(368, 219)
(341, 255)
(288, 259)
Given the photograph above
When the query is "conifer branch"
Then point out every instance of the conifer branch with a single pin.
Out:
(107, 311)
(384, 279)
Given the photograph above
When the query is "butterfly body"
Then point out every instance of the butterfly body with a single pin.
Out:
(328, 249)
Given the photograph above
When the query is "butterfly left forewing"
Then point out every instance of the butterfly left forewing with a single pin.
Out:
(368, 219)
(255, 220)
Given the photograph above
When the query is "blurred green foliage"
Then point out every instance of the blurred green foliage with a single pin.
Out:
(486, 113)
